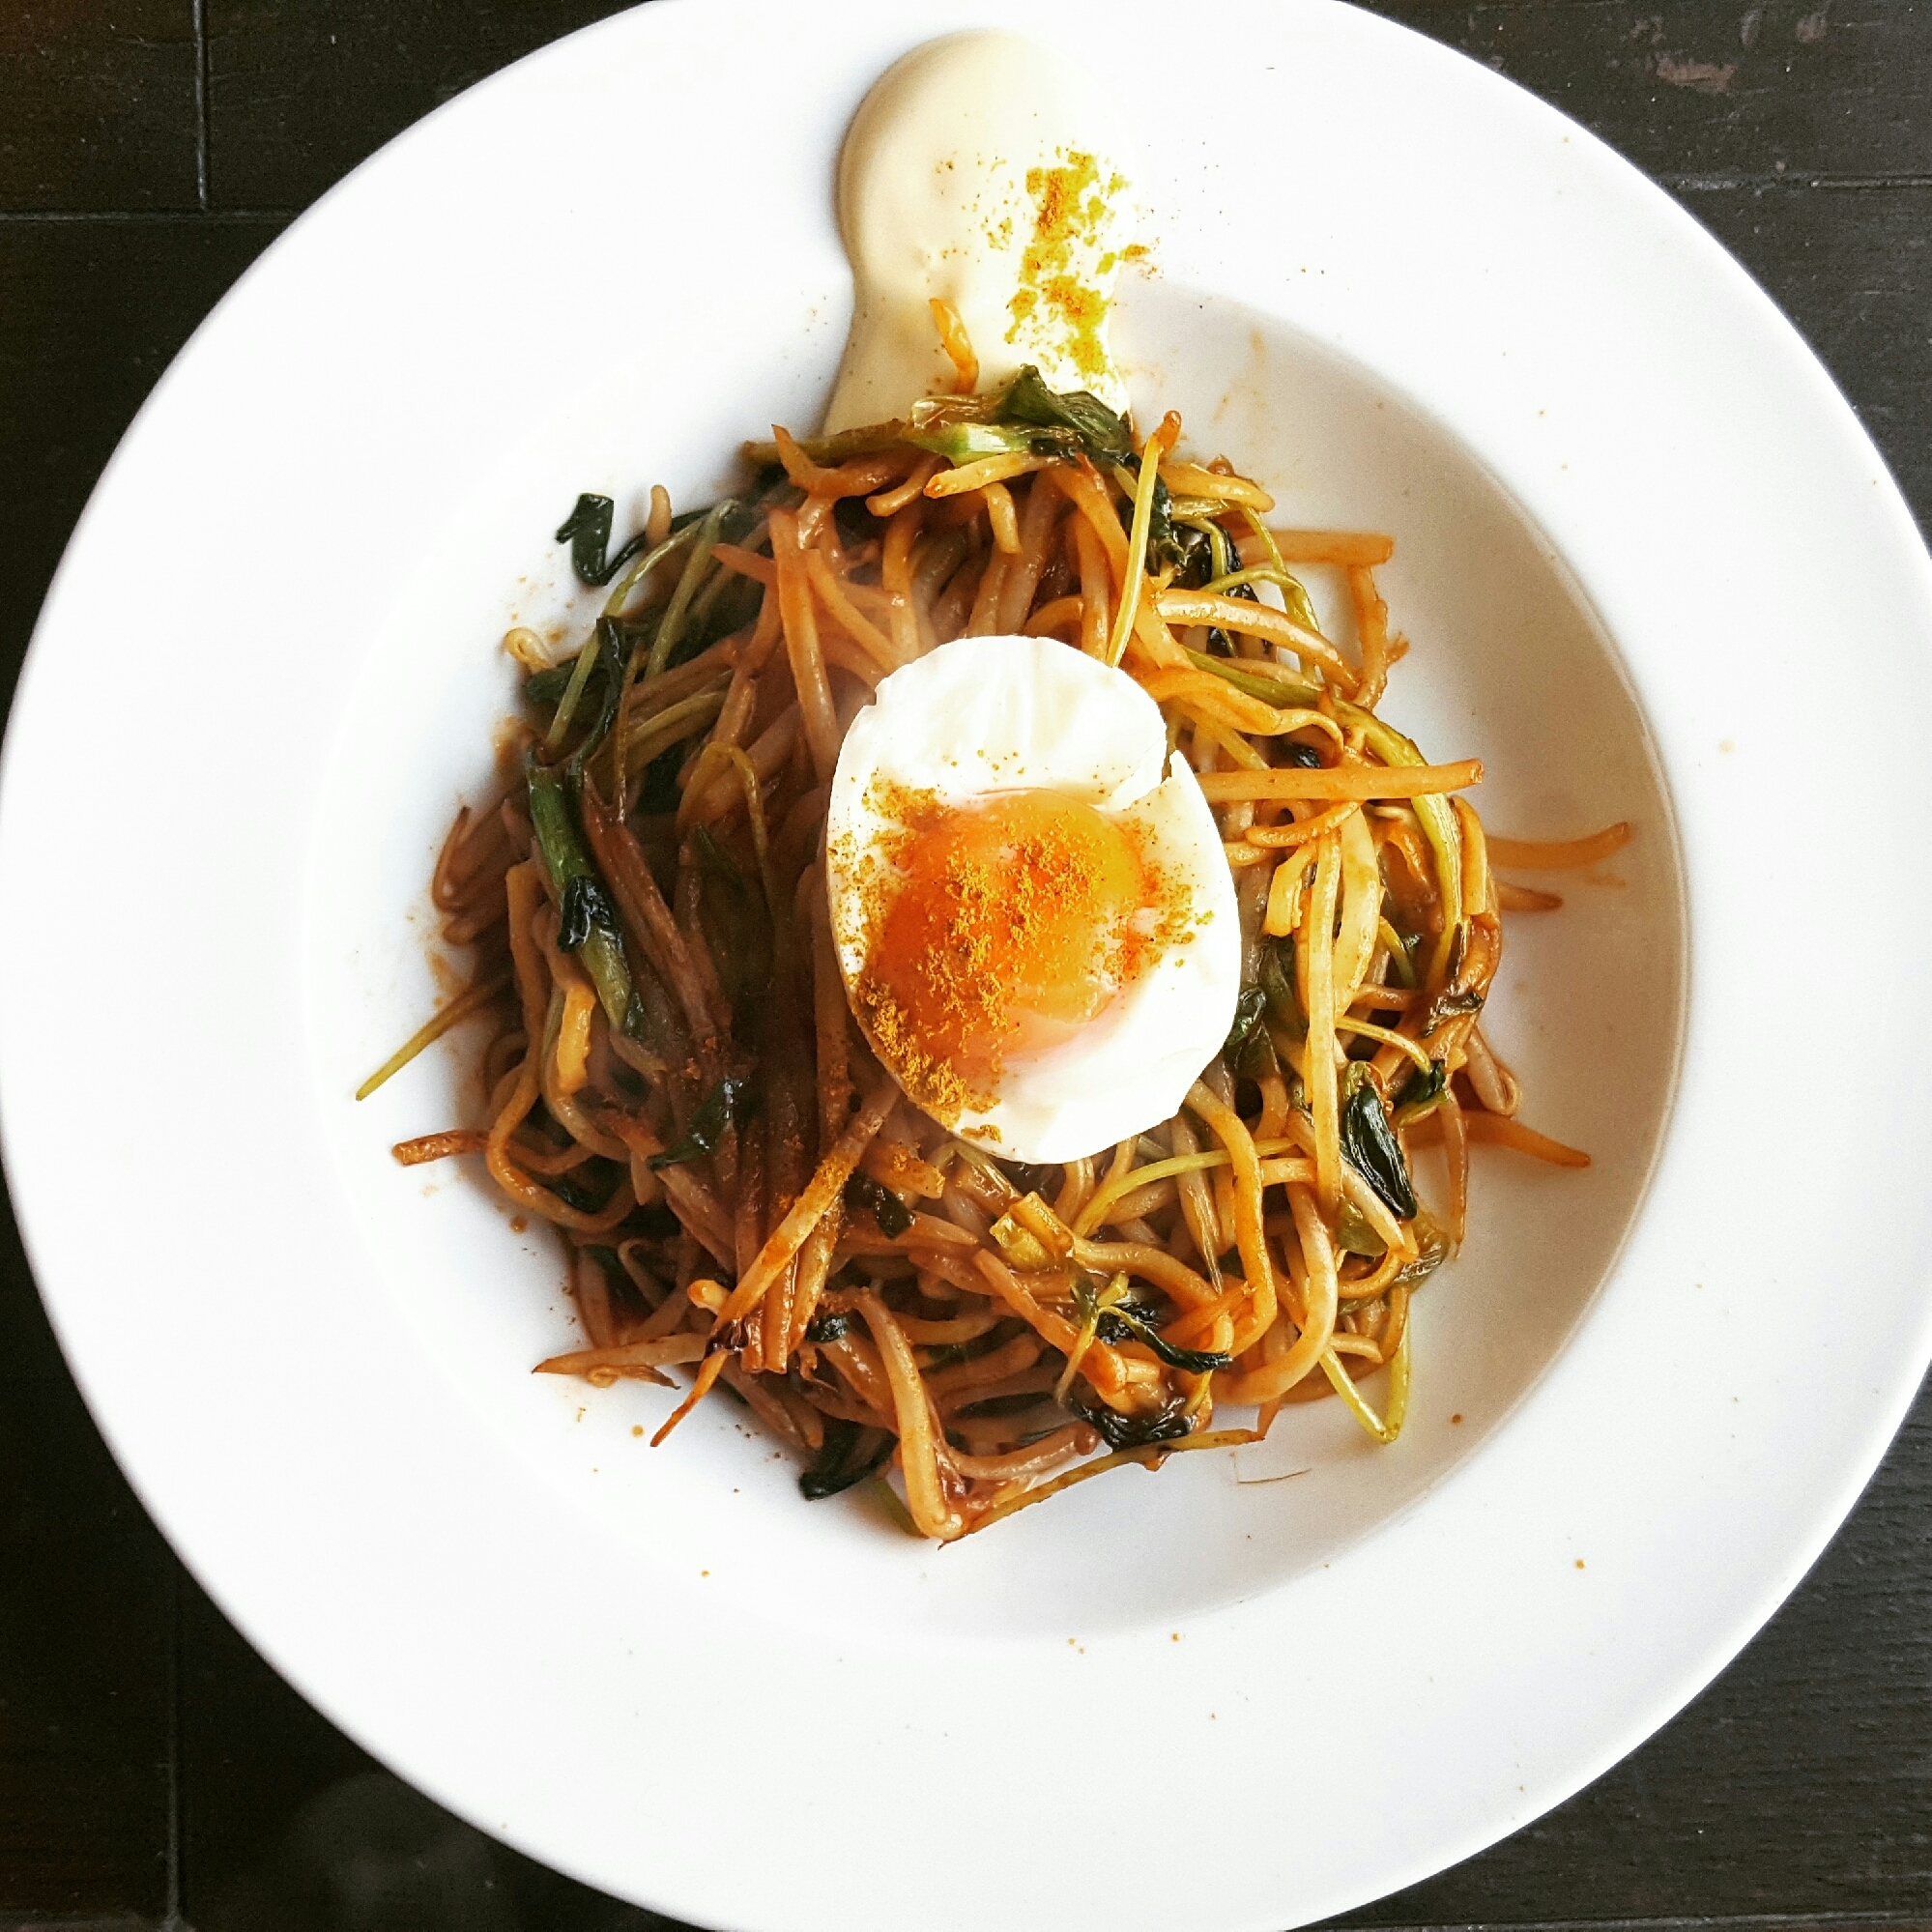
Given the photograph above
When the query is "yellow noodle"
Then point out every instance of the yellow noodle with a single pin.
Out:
(918, 1440)
(823, 1307)
(1284, 897)
(1316, 951)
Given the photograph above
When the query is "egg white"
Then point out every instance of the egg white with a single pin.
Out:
(984, 715)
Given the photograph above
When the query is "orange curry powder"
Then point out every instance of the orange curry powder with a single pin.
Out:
(1070, 206)
(994, 929)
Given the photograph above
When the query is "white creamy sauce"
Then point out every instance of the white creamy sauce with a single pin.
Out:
(979, 170)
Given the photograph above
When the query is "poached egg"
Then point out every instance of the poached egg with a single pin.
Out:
(1034, 918)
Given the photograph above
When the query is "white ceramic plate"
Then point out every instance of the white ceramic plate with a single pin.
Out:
(1651, 568)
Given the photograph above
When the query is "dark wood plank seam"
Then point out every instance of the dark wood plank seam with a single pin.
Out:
(1744, 1922)
(201, 104)
(113, 1921)
(1478, 8)
(1678, 184)
(173, 1920)
(144, 217)
(1723, 183)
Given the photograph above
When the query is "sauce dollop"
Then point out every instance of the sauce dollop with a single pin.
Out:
(977, 171)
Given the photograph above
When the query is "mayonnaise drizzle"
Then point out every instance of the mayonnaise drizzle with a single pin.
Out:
(978, 170)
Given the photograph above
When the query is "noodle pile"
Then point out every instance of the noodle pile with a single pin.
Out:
(675, 1082)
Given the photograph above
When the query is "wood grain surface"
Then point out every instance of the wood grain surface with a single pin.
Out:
(153, 1771)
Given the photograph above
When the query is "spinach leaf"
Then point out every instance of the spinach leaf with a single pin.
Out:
(1128, 1319)
(715, 1112)
(1278, 988)
(1026, 418)
(738, 926)
(615, 639)
(1002, 1406)
(1166, 540)
(866, 1195)
(1248, 1011)
(607, 656)
(587, 529)
(571, 1189)
(659, 794)
(1163, 545)
(1422, 1089)
(828, 1325)
(656, 1223)
(1195, 568)
(1121, 1319)
(1255, 1059)
(542, 689)
(1353, 1234)
(1448, 1004)
(1370, 1146)
(1205, 552)
(1119, 1431)
(852, 1451)
(1432, 1250)
(614, 643)
(1028, 399)
(1218, 643)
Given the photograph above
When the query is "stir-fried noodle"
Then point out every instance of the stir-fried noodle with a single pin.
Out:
(676, 1084)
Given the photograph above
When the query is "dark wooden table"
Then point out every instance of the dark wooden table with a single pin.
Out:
(153, 1771)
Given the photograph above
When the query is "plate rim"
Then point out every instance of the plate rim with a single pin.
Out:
(1881, 1424)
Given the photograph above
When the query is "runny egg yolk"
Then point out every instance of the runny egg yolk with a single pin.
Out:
(1013, 922)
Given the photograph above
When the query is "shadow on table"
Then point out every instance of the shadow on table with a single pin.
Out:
(366, 1854)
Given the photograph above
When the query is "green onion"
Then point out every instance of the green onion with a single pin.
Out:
(702, 543)
(573, 692)
(1289, 585)
(1384, 1430)
(459, 1009)
(587, 906)
(962, 443)
(1260, 678)
(613, 604)
(658, 733)
(1136, 551)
